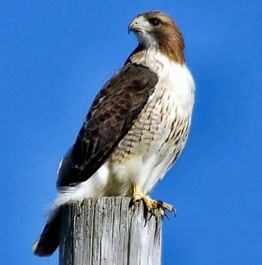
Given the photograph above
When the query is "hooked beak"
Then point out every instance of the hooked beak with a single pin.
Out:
(134, 25)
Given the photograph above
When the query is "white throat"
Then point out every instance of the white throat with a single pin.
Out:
(146, 40)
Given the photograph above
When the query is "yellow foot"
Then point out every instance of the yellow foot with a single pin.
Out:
(152, 206)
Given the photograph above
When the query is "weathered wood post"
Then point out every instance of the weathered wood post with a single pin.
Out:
(108, 232)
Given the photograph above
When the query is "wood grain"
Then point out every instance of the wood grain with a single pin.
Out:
(108, 232)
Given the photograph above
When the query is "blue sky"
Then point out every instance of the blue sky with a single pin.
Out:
(55, 56)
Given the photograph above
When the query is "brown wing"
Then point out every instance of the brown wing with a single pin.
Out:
(112, 114)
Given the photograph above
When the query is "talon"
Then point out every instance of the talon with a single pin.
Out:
(156, 208)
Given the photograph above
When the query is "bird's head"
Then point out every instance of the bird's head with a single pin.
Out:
(155, 29)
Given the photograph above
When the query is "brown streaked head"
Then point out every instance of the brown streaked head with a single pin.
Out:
(155, 29)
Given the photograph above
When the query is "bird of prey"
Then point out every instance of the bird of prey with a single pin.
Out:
(135, 129)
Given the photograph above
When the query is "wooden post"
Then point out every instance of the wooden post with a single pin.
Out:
(109, 232)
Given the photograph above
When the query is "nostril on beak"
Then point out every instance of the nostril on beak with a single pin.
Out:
(133, 25)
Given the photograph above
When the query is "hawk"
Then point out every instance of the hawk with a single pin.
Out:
(135, 129)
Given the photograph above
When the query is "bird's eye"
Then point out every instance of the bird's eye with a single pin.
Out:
(154, 21)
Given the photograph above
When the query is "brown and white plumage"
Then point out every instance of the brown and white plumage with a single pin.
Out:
(136, 127)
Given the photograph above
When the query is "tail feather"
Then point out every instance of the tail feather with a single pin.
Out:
(49, 239)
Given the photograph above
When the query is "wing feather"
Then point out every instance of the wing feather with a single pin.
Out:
(111, 115)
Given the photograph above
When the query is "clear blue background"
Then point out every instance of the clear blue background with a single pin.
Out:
(55, 56)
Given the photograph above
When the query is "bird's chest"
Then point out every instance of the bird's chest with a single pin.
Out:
(155, 121)
(155, 129)
(160, 130)
(158, 134)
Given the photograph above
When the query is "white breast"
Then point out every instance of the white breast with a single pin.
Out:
(160, 132)
(179, 88)
(171, 75)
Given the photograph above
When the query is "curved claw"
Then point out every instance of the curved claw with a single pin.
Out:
(154, 207)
